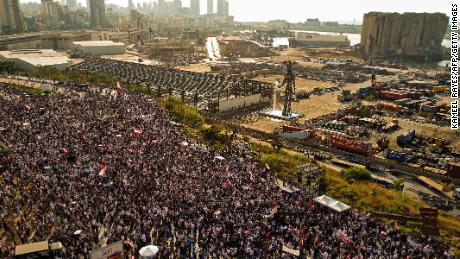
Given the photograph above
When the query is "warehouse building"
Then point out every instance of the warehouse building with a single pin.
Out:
(30, 59)
(98, 48)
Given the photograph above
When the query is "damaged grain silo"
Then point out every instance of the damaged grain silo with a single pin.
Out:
(408, 34)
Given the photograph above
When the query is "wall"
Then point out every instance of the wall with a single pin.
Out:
(101, 50)
(241, 102)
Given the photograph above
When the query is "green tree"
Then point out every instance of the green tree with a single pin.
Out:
(277, 145)
(8, 67)
(398, 184)
(356, 174)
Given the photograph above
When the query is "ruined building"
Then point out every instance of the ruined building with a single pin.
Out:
(408, 34)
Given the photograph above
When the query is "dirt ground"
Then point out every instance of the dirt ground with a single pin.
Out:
(316, 106)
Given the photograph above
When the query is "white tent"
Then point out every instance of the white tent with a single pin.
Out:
(324, 200)
(149, 250)
(339, 206)
(332, 203)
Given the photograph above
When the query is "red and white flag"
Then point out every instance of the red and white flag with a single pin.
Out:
(138, 131)
(119, 89)
(103, 169)
(251, 176)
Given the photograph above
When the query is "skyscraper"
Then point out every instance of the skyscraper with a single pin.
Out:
(195, 7)
(210, 7)
(130, 5)
(97, 13)
(72, 4)
(10, 17)
(50, 12)
(222, 8)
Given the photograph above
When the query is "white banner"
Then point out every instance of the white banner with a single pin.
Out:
(112, 251)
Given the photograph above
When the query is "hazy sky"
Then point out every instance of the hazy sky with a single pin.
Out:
(300, 10)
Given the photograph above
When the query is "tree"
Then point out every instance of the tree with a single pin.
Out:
(47, 72)
(277, 145)
(398, 184)
(356, 174)
(8, 67)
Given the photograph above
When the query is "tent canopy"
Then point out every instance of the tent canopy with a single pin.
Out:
(332, 203)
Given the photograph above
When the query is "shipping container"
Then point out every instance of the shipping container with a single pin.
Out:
(406, 138)
(393, 95)
(389, 107)
(428, 107)
(364, 91)
(350, 145)
(403, 101)
(399, 157)
(289, 128)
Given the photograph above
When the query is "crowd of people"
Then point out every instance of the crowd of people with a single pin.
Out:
(92, 166)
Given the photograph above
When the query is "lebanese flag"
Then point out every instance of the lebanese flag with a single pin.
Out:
(251, 176)
(119, 89)
(103, 169)
(345, 239)
(138, 131)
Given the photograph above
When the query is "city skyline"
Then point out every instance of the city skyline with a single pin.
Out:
(299, 11)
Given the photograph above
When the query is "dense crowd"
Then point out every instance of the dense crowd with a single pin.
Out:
(92, 166)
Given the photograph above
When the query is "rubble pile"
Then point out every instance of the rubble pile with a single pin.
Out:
(244, 49)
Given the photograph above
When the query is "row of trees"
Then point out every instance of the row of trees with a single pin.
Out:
(7, 67)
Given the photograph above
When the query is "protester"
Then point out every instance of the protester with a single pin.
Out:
(112, 165)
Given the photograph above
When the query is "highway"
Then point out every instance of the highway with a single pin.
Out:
(15, 39)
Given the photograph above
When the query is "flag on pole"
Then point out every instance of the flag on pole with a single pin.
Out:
(119, 89)
(103, 169)
(138, 131)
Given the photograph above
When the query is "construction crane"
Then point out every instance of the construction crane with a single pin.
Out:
(289, 81)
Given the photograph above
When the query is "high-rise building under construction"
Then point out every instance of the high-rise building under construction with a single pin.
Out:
(97, 13)
(195, 7)
(210, 7)
(10, 17)
(222, 8)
